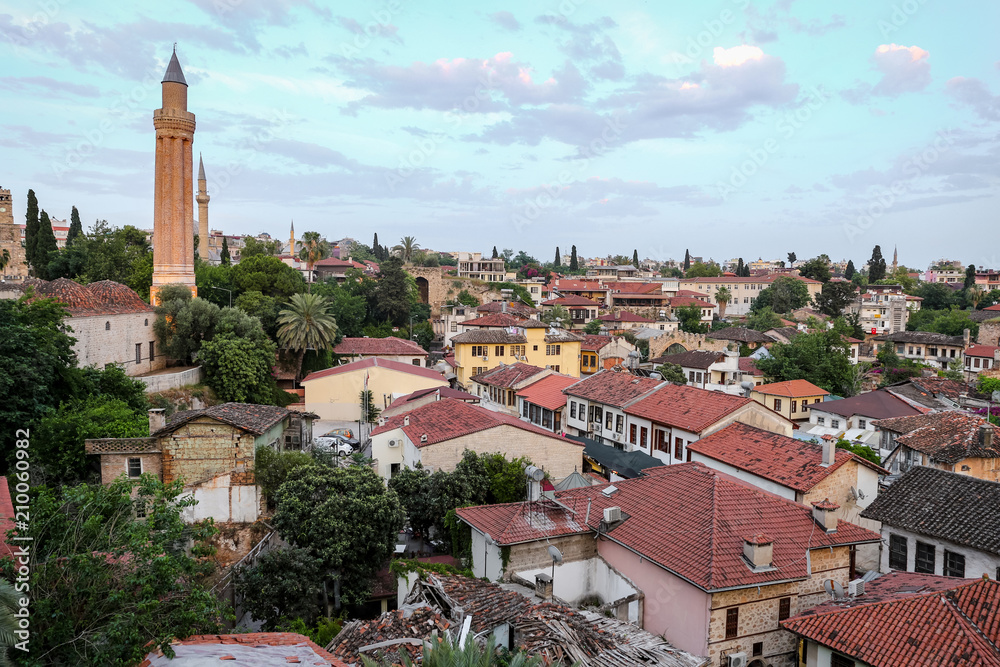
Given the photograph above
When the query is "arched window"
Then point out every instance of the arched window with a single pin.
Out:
(107, 326)
(146, 322)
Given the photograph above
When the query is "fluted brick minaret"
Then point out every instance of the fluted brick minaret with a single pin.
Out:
(173, 205)
(202, 198)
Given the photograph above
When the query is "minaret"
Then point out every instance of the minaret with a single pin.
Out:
(895, 259)
(291, 241)
(173, 193)
(202, 198)
(10, 240)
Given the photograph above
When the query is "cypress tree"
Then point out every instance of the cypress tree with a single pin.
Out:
(635, 258)
(31, 228)
(496, 255)
(876, 265)
(558, 261)
(739, 267)
(850, 270)
(75, 227)
(45, 243)
(687, 260)
(574, 264)
(224, 255)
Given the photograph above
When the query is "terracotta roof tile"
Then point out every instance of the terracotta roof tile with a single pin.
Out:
(740, 334)
(594, 342)
(874, 405)
(572, 300)
(623, 316)
(612, 388)
(791, 389)
(792, 463)
(981, 351)
(372, 362)
(947, 437)
(690, 408)
(389, 346)
(692, 359)
(105, 297)
(511, 307)
(202, 649)
(547, 392)
(504, 320)
(489, 336)
(507, 376)
(256, 419)
(681, 301)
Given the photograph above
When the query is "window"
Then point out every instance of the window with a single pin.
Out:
(480, 350)
(138, 353)
(777, 405)
(534, 348)
(821, 421)
(918, 351)
(643, 432)
(524, 408)
(758, 648)
(140, 509)
(517, 350)
(862, 423)
(679, 449)
(152, 350)
(976, 363)
(952, 354)
(897, 552)
(699, 378)
(661, 441)
(498, 350)
(107, 326)
(834, 423)
(135, 467)
(609, 420)
(572, 409)
(784, 608)
(553, 350)
(393, 470)
(620, 423)
(631, 433)
(925, 558)
(954, 564)
(837, 660)
(795, 406)
(690, 376)
(911, 349)
(556, 368)
(598, 414)
(454, 327)
(732, 622)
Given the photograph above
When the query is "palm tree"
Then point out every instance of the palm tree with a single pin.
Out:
(407, 245)
(314, 248)
(441, 652)
(723, 296)
(976, 294)
(305, 324)
(8, 623)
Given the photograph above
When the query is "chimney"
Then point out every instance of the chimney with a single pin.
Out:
(759, 551)
(543, 586)
(406, 420)
(829, 450)
(965, 338)
(986, 436)
(157, 420)
(503, 306)
(996, 358)
(823, 513)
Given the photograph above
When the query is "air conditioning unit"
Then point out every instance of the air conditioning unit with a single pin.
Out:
(612, 514)
(737, 659)
(394, 443)
(856, 587)
(485, 358)
(616, 436)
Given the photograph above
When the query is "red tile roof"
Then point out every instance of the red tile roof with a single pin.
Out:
(6, 518)
(792, 389)
(105, 297)
(447, 419)
(981, 351)
(623, 316)
(612, 388)
(547, 392)
(571, 300)
(687, 518)
(300, 650)
(507, 376)
(690, 408)
(389, 346)
(504, 320)
(874, 404)
(681, 301)
(564, 285)
(749, 365)
(372, 362)
(632, 288)
(960, 626)
(792, 463)
(994, 307)
(514, 307)
(947, 437)
(594, 342)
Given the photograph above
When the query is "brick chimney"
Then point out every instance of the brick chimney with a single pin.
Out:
(758, 550)
(829, 450)
(543, 586)
(985, 436)
(157, 420)
(823, 513)
(406, 420)
(965, 338)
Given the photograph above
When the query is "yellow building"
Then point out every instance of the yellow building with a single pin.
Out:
(789, 399)
(486, 345)
(334, 393)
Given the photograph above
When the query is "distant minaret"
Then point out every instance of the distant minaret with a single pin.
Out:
(895, 259)
(291, 241)
(202, 198)
(173, 195)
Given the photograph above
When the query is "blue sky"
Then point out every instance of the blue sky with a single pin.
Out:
(733, 128)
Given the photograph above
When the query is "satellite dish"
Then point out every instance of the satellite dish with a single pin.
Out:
(838, 591)
(828, 587)
(555, 554)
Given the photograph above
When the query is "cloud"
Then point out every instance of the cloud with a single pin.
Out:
(973, 93)
(373, 29)
(589, 45)
(47, 86)
(815, 27)
(506, 21)
(905, 69)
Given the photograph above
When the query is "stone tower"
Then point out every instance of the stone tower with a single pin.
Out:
(291, 241)
(202, 198)
(895, 259)
(10, 240)
(173, 194)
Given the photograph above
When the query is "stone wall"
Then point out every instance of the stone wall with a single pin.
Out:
(203, 450)
(690, 341)
(114, 466)
(166, 381)
(112, 339)
(443, 289)
(989, 332)
(534, 555)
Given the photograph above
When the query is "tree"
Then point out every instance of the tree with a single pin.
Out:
(280, 586)
(224, 257)
(671, 373)
(739, 267)
(948, 322)
(320, 510)
(558, 260)
(783, 296)
(876, 265)
(574, 263)
(835, 297)
(119, 254)
(445, 653)
(314, 249)
(700, 270)
(395, 292)
(253, 247)
(267, 275)
(238, 359)
(107, 588)
(264, 308)
(970, 276)
(557, 316)
(635, 258)
(593, 327)
(975, 296)
(45, 245)
(821, 358)
(305, 324)
(864, 451)
(407, 246)
(690, 319)
(75, 227)
(348, 304)
(376, 247)
(31, 229)
(850, 270)
(791, 259)
(687, 261)
(467, 299)
(369, 406)
(183, 323)
(817, 268)
(723, 296)
(496, 255)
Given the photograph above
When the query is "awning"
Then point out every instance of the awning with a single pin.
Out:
(622, 463)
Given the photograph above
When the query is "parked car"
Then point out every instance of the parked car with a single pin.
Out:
(337, 444)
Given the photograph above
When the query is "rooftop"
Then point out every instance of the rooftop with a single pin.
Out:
(944, 505)
(375, 362)
(504, 320)
(611, 388)
(511, 307)
(874, 405)
(572, 300)
(792, 389)
(255, 419)
(104, 297)
(702, 359)
(741, 335)
(922, 337)
(507, 376)
(489, 336)
(623, 316)
(547, 392)
(253, 649)
(792, 463)
(389, 346)
(689, 408)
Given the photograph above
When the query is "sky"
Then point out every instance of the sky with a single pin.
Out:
(728, 127)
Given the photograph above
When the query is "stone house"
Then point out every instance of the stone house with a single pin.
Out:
(979, 358)
(581, 310)
(500, 338)
(790, 399)
(390, 348)
(706, 369)
(603, 352)
(939, 522)
(210, 450)
(543, 404)
(855, 418)
(437, 435)
(620, 321)
(955, 441)
(717, 563)
(925, 347)
(497, 388)
(110, 321)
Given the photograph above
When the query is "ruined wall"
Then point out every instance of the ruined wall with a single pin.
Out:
(691, 341)
(440, 288)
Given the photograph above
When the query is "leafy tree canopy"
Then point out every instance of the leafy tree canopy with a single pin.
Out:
(783, 296)
(701, 270)
(821, 358)
(835, 297)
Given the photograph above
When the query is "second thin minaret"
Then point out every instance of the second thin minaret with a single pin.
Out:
(202, 198)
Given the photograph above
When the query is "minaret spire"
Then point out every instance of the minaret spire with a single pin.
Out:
(202, 198)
